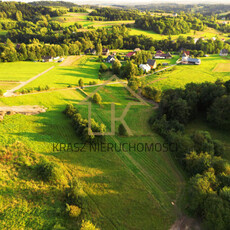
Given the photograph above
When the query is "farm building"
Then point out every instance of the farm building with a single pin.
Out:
(186, 60)
(224, 52)
(146, 68)
(152, 63)
(105, 51)
(137, 49)
(130, 54)
(110, 59)
(47, 58)
(163, 56)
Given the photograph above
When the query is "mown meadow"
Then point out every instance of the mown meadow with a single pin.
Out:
(85, 67)
(184, 74)
(21, 71)
(123, 188)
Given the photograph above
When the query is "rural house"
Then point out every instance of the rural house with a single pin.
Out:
(146, 68)
(130, 54)
(110, 59)
(105, 51)
(137, 49)
(162, 55)
(186, 60)
(224, 52)
(47, 58)
(152, 63)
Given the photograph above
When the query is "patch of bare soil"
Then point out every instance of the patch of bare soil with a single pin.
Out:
(23, 109)
(69, 61)
(185, 223)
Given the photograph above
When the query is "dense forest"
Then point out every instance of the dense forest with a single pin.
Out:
(207, 192)
(169, 25)
(70, 41)
(112, 14)
(22, 11)
(206, 9)
(53, 3)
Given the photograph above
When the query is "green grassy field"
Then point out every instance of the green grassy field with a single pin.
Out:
(21, 71)
(81, 18)
(7, 85)
(208, 33)
(85, 67)
(123, 188)
(189, 73)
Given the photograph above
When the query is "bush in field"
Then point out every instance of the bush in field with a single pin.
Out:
(122, 130)
(81, 125)
(103, 68)
(73, 210)
(1, 92)
(116, 67)
(151, 93)
(74, 193)
(81, 83)
(134, 83)
(97, 98)
(70, 110)
(87, 225)
(49, 172)
(92, 83)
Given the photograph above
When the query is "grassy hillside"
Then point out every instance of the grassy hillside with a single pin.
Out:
(26, 201)
(21, 71)
(208, 33)
(190, 73)
(61, 76)
(123, 188)
(70, 18)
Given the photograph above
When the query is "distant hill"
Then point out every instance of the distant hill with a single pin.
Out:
(53, 3)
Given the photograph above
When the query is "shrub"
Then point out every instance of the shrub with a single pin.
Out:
(122, 130)
(81, 83)
(103, 68)
(1, 92)
(97, 98)
(74, 211)
(87, 225)
(74, 193)
(49, 172)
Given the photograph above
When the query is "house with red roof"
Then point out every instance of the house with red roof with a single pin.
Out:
(130, 54)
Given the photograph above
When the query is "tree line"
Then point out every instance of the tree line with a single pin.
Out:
(22, 11)
(73, 42)
(81, 125)
(169, 25)
(112, 14)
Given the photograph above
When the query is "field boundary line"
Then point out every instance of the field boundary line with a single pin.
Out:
(11, 91)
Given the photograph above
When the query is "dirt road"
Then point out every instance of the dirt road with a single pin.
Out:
(10, 92)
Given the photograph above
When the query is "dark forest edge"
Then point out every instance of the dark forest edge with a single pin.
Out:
(207, 193)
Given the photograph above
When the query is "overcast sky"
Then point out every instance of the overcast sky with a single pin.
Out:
(137, 1)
